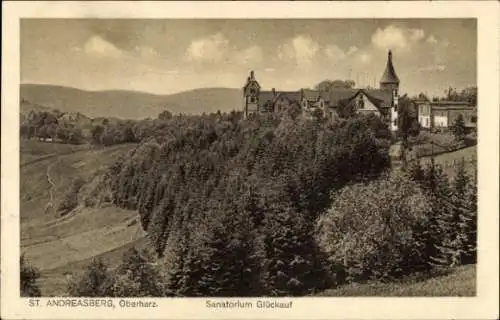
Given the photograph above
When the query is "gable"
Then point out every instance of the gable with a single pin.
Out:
(366, 104)
(252, 87)
(361, 102)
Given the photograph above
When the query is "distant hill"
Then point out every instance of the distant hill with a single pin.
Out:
(27, 106)
(130, 104)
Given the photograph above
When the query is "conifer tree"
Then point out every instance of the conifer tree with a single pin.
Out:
(176, 279)
(465, 192)
(458, 128)
(289, 266)
(444, 202)
(435, 230)
(184, 265)
(416, 172)
(230, 267)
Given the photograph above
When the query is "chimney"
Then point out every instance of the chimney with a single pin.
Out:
(252, 75)
(274, 92)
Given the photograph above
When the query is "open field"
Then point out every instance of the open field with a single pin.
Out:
(449, 160)
(58, 245)
(460, 282)
(33, 150)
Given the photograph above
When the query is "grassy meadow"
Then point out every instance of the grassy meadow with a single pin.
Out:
(458, 282)
(60, 244)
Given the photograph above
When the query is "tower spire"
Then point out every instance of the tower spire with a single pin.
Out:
(389, 78)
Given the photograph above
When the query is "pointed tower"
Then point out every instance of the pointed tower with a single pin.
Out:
(390, 82)
(251, 92)
(389, 79)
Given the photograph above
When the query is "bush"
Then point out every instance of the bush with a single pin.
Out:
(97, 281)
(29, 278)
(137, 277)
(70, 200)
(370, 230)
(97, 192)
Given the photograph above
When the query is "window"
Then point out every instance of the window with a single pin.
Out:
(361, 102)
(473, 119)
(252, 91)
(253, 99)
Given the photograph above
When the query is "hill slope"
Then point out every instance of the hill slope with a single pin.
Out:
(59, 245)
(131, 104)
(461, 282)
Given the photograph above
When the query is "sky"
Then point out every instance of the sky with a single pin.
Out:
(173, 55)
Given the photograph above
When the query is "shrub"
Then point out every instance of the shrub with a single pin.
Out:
(29, 278)
(70, 200)
(97, 281)
(97, 192)
(370, 230)
(137, 276)
(458, 128)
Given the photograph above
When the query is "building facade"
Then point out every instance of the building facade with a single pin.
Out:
(442, 114)
(382, 101)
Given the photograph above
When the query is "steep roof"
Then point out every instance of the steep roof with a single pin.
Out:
(377, 97)
(335, 95)
(289, 95)
(450, 102)
(251, 80)
(310, 95)
(384, 97)
(389, 75)
(265, 96)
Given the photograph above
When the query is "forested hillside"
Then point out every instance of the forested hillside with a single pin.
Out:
(231, 205)
(276, 206)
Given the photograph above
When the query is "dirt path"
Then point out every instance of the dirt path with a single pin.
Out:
(52, 186)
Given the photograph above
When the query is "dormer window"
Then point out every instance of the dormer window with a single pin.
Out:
(361, 102)
(252, 91)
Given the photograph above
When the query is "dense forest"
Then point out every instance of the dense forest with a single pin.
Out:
(277, 206)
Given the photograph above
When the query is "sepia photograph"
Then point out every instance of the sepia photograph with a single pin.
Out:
(239, 158)
(248, 157)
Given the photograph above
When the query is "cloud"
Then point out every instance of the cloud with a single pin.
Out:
(301, 49)
(396, 37)
(210, 49)
(433, 68)
(365, 57)
(98, 47)
(352, 49)
(416, 34)
(431, 39)
(249, 55)
(216, 48)
(146, 52)
(335, 53)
